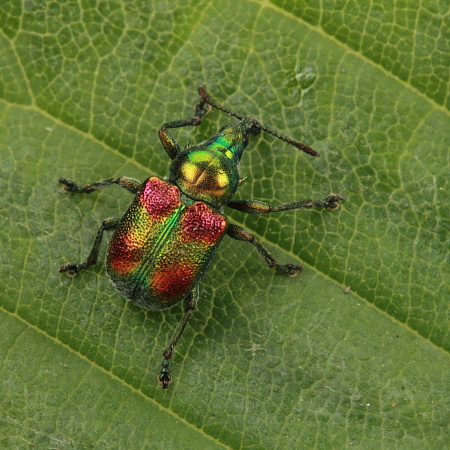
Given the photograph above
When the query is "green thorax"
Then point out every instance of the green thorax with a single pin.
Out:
(209, 171)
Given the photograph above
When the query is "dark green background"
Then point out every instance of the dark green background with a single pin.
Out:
(267, 361)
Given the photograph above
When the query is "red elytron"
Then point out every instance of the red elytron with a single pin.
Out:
(163, 245)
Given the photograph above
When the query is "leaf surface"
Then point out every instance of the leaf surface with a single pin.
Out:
(266, 361)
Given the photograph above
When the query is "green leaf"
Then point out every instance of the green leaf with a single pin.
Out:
(266, 361)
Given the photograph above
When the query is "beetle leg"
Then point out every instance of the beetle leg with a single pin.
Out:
(241, 234)
(74, 268)
(130, 184)
(168, 142)
(190, 303)
(257, 207)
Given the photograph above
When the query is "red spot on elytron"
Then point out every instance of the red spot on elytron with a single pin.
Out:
(159, 197)
(172, 283)
(123, 258)
(201, 223)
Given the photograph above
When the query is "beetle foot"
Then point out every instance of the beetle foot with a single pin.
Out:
(164, 376)
(332, 201)
(72, 268)
(69, 185)
(288, 269)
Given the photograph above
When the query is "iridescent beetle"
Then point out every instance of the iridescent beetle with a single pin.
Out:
(163, 244)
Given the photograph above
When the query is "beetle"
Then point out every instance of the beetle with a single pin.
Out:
(164, 242)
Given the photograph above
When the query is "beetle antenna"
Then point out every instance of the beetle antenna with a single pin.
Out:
(296, 144)
(205, 98)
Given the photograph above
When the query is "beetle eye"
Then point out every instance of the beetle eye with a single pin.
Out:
(254, 129)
